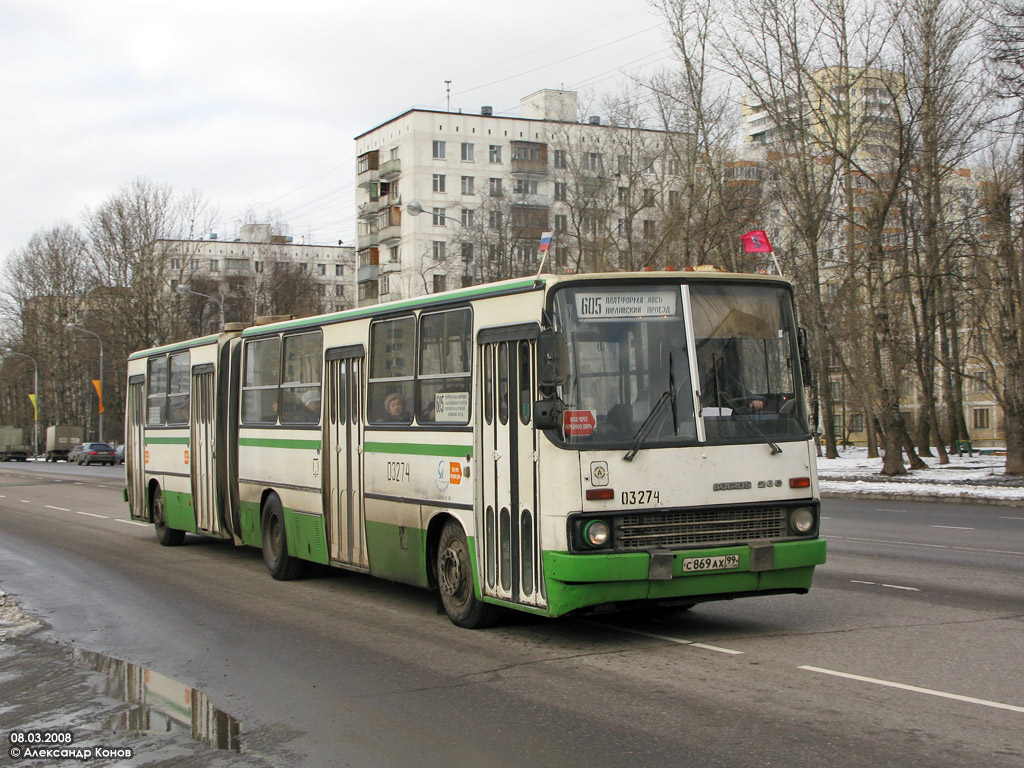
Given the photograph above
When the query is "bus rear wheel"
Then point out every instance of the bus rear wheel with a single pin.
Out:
(455, 582)
(281, 565)
(169, 537)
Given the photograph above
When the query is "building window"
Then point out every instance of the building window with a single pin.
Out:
(467, 151)
(494, 187)
(561, 191)
(467, 185)
(494, 153)
(437, 217)
(981, 418)
(468, 217)
(385, 288)
(649, 229)
(623, 164)
(561, 222)
(395, 254)
(438, 250)
(257, 267)
(438, 150)
(438, 283)
(439, 182)
(467, 252)
(592, 161)
(321, 269)
(526, 186)
(214, 265)
(857, 422)
(193, 265)
(494, 219)
(339, 270)
(623, 195)
(175, 263)
(559, 158)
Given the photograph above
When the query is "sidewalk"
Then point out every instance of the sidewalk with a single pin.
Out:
(977, 479)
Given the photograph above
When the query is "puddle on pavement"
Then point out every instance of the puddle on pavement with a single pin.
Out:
(161, 705)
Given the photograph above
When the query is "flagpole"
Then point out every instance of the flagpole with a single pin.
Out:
(545, 244)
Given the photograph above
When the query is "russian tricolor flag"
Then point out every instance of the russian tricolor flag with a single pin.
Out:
(545, 240)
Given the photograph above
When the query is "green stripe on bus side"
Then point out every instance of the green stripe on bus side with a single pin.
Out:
(474, 292)
(419, 449)
(167, 440)
(276, 442)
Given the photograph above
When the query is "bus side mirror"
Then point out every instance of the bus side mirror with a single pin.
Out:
(552, 359)
(805, 356)
(547, 414)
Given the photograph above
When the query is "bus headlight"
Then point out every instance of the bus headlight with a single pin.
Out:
(596, 533)
(801, 520)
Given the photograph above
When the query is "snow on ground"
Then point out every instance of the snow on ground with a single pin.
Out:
(978, 477)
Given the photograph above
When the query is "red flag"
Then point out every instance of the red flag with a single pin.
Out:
(756, 241)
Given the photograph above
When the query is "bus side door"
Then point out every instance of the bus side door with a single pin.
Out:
(202, 448)
(342, 457)
(509, 537)
(135, 448)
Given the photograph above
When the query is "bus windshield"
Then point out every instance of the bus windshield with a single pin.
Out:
(657, 365)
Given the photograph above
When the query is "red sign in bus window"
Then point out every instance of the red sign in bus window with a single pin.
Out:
(578, 423)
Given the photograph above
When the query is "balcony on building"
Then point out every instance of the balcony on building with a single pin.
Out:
(529, 158)
(369, 264)
(390, 169)
(367, 165)
(389, 223)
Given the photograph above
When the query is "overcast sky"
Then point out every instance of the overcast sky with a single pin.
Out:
(256, 103)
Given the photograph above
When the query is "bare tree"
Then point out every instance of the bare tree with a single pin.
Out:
(44, 284)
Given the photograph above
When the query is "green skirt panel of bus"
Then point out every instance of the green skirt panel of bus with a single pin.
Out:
(579, 581)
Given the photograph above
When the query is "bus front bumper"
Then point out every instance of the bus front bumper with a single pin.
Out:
(581, 581)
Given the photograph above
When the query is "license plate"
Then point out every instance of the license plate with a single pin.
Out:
(720, 563)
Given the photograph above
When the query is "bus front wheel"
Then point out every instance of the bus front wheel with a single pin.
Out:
(169, 537)
(281, 565)
(455, 581)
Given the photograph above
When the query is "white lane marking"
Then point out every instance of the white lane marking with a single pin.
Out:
(1011, 518)
(90, 514)
(916, 689)
(132, 522)
(59, 509)
(25, 501)
(890, 586)
(677, 640)
(927, 546)
(717, 648)
(879, 509)
(953, 527)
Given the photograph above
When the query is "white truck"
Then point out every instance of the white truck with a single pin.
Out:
(61, 439)
(13, 446)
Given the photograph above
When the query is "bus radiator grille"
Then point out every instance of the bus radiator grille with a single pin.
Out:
(692, 528)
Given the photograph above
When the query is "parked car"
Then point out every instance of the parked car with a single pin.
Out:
(92, 453)
(119, 454)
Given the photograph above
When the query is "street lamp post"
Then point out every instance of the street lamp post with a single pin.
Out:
(181, 290)
(73, 327)
(415, 208)
(35, 392)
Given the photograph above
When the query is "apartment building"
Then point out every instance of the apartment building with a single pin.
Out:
(447, 199)
(247, 268)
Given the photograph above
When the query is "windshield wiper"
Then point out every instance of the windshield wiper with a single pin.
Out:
(756, 432)
(669, 395)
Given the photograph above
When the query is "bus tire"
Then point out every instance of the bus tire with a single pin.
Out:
(455, 582)
(168, 537)
(281, 565)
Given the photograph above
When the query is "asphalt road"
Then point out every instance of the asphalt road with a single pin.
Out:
(906, 652)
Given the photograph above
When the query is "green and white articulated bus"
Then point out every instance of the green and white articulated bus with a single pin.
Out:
(549, 444)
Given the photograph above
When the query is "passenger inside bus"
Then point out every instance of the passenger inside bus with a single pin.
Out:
(394, 409)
